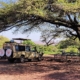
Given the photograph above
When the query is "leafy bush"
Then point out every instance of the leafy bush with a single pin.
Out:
(2, 40)
(68, 42)
(29, 42)
(48, 52)
(71, 49)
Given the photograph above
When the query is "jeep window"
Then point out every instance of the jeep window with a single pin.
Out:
(16, 47)
(27, 48)
(20, 48)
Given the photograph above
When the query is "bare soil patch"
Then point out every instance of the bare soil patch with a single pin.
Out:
(48, 69)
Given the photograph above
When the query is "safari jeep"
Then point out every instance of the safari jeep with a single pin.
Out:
(17, 51)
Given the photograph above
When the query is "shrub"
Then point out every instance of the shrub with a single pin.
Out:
(71, 49)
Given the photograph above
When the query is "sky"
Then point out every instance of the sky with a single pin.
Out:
(34, 36)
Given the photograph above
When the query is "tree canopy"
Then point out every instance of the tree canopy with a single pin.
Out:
(35, 12)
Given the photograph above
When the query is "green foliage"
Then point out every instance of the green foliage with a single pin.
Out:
(22, 8)
(51, 49)
(71, 49)
(49, 52)
(48, 48)
(40, 48)
(32, 6)
(69, 5)
(29, 42)
(53, 52)
(2, 40)
(69, 45)
(68, 42)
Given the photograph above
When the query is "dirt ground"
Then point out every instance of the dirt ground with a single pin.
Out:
(48, 69)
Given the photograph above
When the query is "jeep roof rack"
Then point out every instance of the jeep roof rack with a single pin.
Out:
(20, 39)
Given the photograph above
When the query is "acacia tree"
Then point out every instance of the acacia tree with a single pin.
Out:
(49, 35)
(35, 12)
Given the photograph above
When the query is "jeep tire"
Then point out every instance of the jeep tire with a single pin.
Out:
(22, 59)
(11, 60)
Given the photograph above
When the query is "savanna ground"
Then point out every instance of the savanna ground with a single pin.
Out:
(48, 69)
